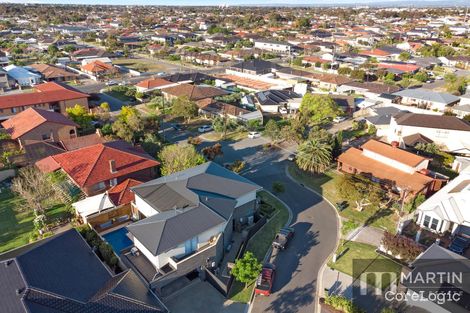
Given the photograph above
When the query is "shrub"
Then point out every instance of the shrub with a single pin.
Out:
(278, 187)
(343, 304)
(401, 246)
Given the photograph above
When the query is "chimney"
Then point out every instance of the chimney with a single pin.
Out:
(395, 144)
(112, 166)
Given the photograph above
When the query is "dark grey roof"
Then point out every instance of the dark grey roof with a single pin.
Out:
(194, 77)
(432, 121)
(164, 231)
(63, 275)
(383, 115)
(256, 65)
(219, 185)
(275, 97)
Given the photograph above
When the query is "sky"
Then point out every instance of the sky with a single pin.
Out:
(211, 2)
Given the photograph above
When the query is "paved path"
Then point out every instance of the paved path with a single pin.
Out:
(315, 224)
(370, 235)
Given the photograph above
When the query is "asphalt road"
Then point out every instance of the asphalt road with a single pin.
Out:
(315, 224)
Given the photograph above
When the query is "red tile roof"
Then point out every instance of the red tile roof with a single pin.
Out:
(154, 83)
(393, 153)
(97, 67)
(44, 93)
(121, 193)
(90, 165)
(31, 118)
(398, 66)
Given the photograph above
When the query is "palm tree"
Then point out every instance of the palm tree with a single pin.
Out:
(314, 156)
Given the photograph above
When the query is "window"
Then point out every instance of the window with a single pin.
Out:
(427, 221)
(434, 224)
(113, 182)
(13, 110)
(100, 185)
(46, 136)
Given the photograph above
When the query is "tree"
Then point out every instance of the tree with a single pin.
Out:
(404, 56)
(52, 50)
(455, 84)
(34, 187)
(318, 109)
(179, 157)
(314, 156)
(212, 152)
(81, 116)
(272, 130)
(358, 74)
(247, 268)
(297, 62)
(184, 107)
(303, 22)
(421, 76)
(129, 124)
(278, 187)
(344, 71)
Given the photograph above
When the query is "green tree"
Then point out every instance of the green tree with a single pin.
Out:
(272, 130)
(303, 22)
(184, 107)
(52, 50)
(358, 74)
(81, 116)
(247, 268)
(297, 62)
(314, 156)
(318, 109)
(404, 56)
(178, 157)
(344, 71)
(421, 76)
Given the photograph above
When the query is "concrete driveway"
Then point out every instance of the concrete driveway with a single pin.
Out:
(202, 297)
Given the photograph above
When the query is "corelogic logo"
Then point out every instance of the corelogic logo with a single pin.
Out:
(422, 283)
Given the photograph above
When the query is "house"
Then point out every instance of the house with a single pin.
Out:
(108, 209)
(199, 94)
(399, 68)
(88, 53)
(449, 132)
(404, 172)
(4, 84)
(460, 61)
(97, 168)
(271, 101)
(447, 209)
(202, 58)
(71, 279)
(451, 279)
(188, 78)
(461, 110)
(383, 53)
(186, 221)
(253, 67)
(274, 46)
(53, 73)
(369, 90)
(380, 118)
(152, 84)
(22, 76)
(427, 99)
(99, 69)
(231, 111)
(38, 124)
(49, 96)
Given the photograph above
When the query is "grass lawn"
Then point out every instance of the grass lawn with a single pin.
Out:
(372, 262)
(118, 95)
(141, 65)
(326, 185)
(260, 243)
(16, 224)
(232, 136)
(349, 133)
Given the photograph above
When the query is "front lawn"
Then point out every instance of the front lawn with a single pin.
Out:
(372, 262)
(16, 223)
(326, 184)
(260, 243)
(119, 95)
(231, 136)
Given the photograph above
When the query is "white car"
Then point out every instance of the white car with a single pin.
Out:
(283, 110)
(339, 119)
(253, 135)
(204, 128)
(439, 77)
(111, 83)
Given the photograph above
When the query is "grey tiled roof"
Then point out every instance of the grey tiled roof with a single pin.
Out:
(428, 95)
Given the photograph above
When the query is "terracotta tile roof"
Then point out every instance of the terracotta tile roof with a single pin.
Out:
(393, 153)
(355, 158)
(400, 67)
(31, 118)
(375, 52)
(194, 92)
(246, 82)
(50, 71)
(97, 67)
(90, 165)
(154, 83)
(121, 193)
(44, 93)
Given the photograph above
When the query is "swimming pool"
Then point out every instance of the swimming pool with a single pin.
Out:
(118, 240)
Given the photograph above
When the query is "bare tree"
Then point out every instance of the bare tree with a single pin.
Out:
(34, 187)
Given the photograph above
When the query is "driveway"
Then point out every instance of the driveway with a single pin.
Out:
(189, 300)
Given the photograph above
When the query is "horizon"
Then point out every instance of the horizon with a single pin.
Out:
(279, 3)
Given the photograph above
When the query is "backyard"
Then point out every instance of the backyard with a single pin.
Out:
(16, 223)
(371, 262)
(326, 184)
(260, 243)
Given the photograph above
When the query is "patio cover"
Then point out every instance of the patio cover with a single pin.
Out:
(92, 205)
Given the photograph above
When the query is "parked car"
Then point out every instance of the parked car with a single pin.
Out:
(459, 244)
(339, 119)
(264, 283)
(439, 77)
(291, 157)
(283, 110)
(283, 237)
(204, 128)
(111, 83)
(253, 135)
